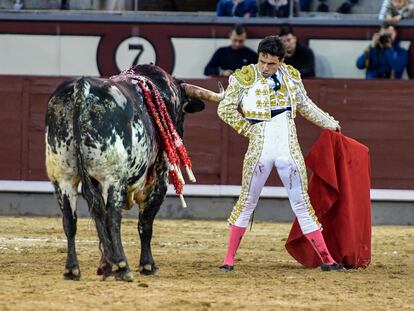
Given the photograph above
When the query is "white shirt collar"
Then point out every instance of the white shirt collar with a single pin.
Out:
(279, 76)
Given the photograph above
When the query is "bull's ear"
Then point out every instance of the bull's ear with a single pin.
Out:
(194, 105)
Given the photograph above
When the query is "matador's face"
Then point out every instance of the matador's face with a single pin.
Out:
(268, 64)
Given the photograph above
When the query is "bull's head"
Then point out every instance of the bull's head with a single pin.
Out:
(193, 98)
(197, 92)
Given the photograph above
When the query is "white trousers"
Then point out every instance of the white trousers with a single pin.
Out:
(274, 143)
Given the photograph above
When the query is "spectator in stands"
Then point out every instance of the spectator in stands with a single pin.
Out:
(268, 8)
(384, 58)
(18, 5)
(392, 11)
(277, 8)
(305, 5)
(297, 55)
(65, 5)
(240, 8)
(112, 5)
(227, 59)
(344, 8)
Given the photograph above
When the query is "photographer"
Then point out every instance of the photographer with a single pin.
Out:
(384, 58)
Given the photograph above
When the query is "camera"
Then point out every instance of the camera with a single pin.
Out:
(384, 39)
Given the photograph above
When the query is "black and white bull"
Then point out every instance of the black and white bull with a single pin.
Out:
(100, 133)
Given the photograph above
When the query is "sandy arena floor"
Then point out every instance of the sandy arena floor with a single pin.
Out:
(33, 252)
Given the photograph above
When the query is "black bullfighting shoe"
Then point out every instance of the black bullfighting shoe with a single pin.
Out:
(226, 268)
(333, 267)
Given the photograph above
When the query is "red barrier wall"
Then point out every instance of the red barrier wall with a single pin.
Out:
(379, 114)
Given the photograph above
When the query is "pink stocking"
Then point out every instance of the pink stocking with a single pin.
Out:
(236, 234)
(318, 243)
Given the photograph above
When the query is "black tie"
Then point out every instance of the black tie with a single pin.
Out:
(277, 83)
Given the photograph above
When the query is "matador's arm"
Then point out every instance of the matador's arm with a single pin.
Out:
(227, 109)
(308, 109)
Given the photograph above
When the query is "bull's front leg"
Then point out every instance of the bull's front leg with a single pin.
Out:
(117, 196)
(66, 195)
(148, 211)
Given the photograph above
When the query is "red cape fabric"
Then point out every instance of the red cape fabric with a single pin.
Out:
(339, 190)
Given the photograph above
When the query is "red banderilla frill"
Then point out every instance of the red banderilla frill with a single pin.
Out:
(172, 144)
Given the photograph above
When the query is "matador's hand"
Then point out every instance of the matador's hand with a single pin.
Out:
(338, 128)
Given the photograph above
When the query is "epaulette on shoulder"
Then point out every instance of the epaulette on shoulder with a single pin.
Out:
(293, 72)
(246, 75)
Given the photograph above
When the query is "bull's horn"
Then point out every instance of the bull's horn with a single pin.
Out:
(202, 93)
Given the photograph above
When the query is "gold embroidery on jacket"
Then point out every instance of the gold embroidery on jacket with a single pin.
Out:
(257, 115)
(312, 112)
(227, 109)
(282, 96)
(246, 76)
(251, 158)
(293, 72)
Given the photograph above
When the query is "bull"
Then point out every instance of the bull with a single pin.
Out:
(100, 133)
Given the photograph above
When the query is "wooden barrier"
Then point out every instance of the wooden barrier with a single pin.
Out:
(379, 114)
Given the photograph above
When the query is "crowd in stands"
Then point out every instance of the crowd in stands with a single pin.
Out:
(19, 4)
(323, 6)
(277, 8)
(227, 59)
(253, 8)
(391, 10)
(110, 5)
(384, 58)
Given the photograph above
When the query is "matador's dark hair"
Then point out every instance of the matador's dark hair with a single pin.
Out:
(272, 45)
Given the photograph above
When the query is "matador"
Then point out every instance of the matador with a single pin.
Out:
(270, 93)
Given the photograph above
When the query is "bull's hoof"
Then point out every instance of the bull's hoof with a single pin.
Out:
(72, 274)
(148, 269)
(121, 272)
(124, 275)
(105, 269)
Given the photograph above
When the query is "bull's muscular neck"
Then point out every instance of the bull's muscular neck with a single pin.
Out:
(164, 83)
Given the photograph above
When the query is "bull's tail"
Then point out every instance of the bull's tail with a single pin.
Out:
(90, 190)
